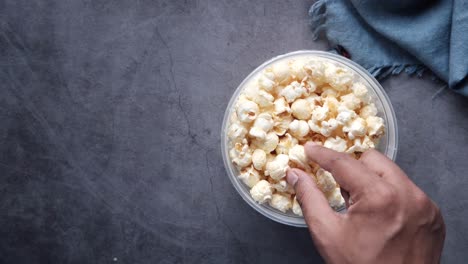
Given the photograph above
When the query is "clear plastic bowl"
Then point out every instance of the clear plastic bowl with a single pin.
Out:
(388, 143)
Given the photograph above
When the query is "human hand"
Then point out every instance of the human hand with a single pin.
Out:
(388, 220)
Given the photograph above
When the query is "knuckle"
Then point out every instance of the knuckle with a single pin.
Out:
(421, 202)
(386, 195)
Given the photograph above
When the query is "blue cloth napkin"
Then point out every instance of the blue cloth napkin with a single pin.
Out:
(392, 36)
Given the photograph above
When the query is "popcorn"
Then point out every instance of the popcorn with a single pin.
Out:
(301, 109)
(328, 127)
(361, 92)
(339, 78)
(281, 186)
(285, 143)
(335, 199)
(281, 202)
(357, 128)
(277, 168)
(282, 124)
(281, 106)
(297, 69)
(241, 154)
(263, 98)
(269, 143)
(266, 81)
(281, 72)
(332, 104)
(368, 110)
(359, 146)
(316, 69)
(262, 191)
(299, 128)
(261, 126)
(329, 92)
(325, 181)
(259, 159)
(350, 101)
(293, 91)
(375, 125)
(313, 99)
(345, 115)
(236, 132)
(337, 144)
(247, 111)
(320, 113)
(250, 176)
(297, 156)
(292, 102)
(296, 208)
(309, 85)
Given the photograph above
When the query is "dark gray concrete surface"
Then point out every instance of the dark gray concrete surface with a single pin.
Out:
(110, 115)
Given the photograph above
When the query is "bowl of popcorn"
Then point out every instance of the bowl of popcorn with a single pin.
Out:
(292, 99)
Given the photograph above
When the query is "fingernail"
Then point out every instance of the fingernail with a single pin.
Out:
(292, 177)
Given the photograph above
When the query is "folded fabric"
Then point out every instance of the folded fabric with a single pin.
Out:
(389, 37)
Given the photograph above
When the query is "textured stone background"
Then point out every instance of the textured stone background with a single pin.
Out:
(110, 115)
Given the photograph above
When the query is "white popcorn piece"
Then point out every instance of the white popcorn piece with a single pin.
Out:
(297, 156)
(281, 202)
(296, 208)
(281, 71)
(281, 106)
(313, 99)
(277, 168)
(301, 109)
(356, 128)
(263, 98)
(361, 92)
(262, 191)
(316, 69)
(328, 127)
(299, 128)
(335, 199)
(257, 133)
(368, 110)
(236, 132)
(250, 176)
(320, 113)
(259, 159)
(285, 144)
(266, 81)
(329, 92)
(264, 122)
(338, 77)
(332, 104)
(268, 144)
(325, 181)
(345, 115)
(247, 111)
(297, 69)
(359, 146)
(282, 123)
(337, 144)
(293, 91)
(375, 126)
(309, 85)
(350, 101)
(281, 186)
(241, 154)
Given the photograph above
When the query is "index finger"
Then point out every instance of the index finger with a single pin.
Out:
(350, 174)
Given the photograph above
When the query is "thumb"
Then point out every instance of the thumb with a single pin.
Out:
(315, 208)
